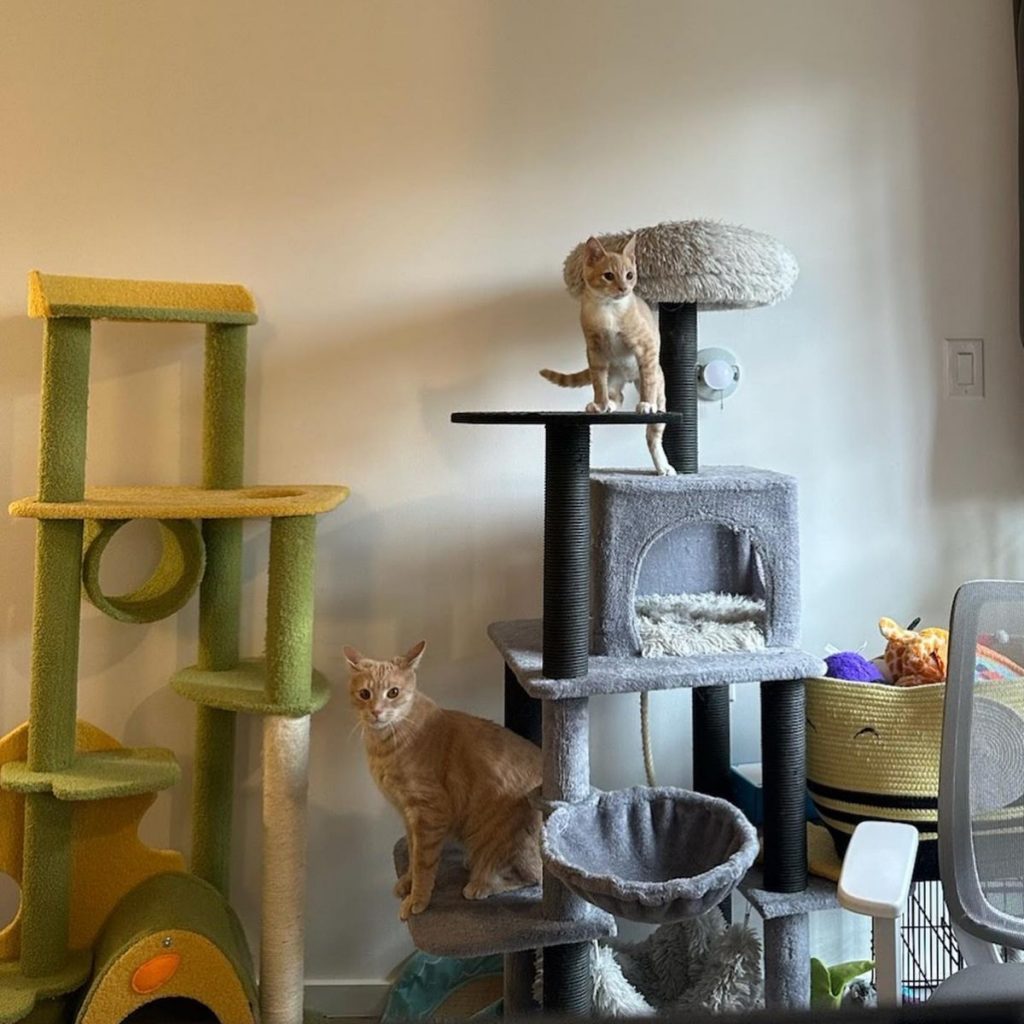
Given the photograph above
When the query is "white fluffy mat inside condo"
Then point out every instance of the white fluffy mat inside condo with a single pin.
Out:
(678, 624)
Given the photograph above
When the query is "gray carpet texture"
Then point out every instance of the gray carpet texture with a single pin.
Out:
(519, 643)
(717, 266)
(728, 529)
(650, 854)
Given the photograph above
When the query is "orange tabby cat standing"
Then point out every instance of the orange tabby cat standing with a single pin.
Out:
(623, 345)
(449, 774)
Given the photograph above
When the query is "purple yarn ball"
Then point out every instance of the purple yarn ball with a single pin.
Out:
(852, 666)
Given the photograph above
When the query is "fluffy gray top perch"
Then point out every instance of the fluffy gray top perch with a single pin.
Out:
(714, 265)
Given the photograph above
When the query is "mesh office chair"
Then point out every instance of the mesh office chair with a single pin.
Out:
(981, 814)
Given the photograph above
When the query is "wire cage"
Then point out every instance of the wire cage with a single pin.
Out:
(929, 950)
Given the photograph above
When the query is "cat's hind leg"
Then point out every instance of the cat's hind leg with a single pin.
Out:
(655, 434)
(507, 878)
(509, 859)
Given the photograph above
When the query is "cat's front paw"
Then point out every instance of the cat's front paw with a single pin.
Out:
(478, 890)
(594, 407)
(403, 886)
(667, 471)
(412, 905)
(645, 408)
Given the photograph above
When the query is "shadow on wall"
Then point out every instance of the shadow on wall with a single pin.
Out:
(403, 559)
(394, 375)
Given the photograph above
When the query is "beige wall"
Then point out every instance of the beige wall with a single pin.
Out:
(398, 183)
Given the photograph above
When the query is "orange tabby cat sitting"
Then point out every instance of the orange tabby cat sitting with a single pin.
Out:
(449, 774)
(623, 345)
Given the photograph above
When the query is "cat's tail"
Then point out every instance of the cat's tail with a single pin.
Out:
(567, 380)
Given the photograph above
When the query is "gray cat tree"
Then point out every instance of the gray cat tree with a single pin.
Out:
(652, 854)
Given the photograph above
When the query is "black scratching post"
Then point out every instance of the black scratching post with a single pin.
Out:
(566, 550)
(567, 985)
(677, 324)
(712, 756)
(783, 756)
(522, 712)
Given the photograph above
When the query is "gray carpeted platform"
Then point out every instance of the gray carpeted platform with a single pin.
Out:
(820, 894)
(455, 926)
(519, 642)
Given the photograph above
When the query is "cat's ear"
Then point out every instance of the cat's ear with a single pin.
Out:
(629, 249)
(595, 250)
(352, 656)
(411, 658)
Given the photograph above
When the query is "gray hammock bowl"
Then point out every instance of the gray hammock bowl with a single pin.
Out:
(651, 855)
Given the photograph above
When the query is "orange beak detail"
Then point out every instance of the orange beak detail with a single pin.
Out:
(155, 973)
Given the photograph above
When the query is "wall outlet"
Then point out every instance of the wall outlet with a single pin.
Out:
(965, 367)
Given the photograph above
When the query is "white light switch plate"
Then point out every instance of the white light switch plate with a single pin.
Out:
(965, 367)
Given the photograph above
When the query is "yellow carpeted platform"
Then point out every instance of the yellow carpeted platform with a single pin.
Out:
(99, 298)
(187, 503)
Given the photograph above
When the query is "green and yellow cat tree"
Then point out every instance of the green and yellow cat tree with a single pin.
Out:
(105, 924)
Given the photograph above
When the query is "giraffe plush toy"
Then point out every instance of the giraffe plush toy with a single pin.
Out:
(914, 658)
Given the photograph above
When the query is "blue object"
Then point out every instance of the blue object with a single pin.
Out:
(427, 981)
(748, 795)
(853, 667)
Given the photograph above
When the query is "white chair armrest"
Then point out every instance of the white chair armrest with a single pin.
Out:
(878, 868)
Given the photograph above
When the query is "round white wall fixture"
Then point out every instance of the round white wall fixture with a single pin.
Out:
(718, 374)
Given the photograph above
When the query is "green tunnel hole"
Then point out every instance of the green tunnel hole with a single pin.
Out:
(178, 572)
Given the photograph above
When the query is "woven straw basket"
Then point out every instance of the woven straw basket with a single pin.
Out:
(873, 754)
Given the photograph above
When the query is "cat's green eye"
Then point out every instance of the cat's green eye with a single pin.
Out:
(393, 693)
(608, 275)
(365, 694)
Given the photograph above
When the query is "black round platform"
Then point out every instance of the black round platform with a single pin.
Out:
(566, 416)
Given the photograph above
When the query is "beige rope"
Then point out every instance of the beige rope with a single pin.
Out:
(285, 777)
(645, 733)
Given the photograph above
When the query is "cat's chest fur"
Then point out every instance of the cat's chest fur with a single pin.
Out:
(391, 780)
(607, 324)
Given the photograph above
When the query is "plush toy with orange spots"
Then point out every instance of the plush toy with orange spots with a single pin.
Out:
(914, 658)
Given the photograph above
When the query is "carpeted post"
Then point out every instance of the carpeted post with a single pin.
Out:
(46, 884)
(286, 768)
(290, 609)
(220, 601)
(224, 405)
(523, 717)
(46, 868)
(787, 963)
